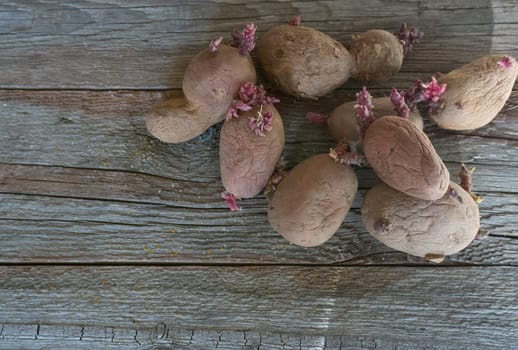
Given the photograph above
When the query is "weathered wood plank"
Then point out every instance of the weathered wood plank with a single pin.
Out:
(70, 129)
(147, 44)
(46, 229)
(431, 308)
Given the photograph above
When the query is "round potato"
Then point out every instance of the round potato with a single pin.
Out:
(211, 82)
(429, 229)
(343, 121)
(247, 160)
(378, 55)
(404, 158)
(476, 92)
(312, 201)
(302, 61)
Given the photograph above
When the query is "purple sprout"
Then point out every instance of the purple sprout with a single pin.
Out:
(399, 103)
(428, 94)
(244, 39)
(214, 44)
(506, 62)
(317, 118)
(409, 37)
(251, 96)
(231, 201)
(364, 110)
(294, 21)
(261, 123)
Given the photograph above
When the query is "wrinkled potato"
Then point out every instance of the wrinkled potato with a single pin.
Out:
(302, 61)
(312, 201)
(476, 92)
(211, 82)
(404, 158)
(377, 54)
(343, 121)
(248, 160)
(429, 229)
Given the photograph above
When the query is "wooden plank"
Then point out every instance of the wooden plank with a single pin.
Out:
(107, 180)
(48, 229)
(430, 308)
(70, 129)
(147, 44)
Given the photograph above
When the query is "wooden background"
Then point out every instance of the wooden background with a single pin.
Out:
(110, 239)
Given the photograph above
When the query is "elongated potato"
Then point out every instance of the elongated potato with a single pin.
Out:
(377, 54)
(430, 229)
(211, 82)
(343, 121)
(247, 160)
(476, 92)
(312, 201)
(302, 61)
(404, 158)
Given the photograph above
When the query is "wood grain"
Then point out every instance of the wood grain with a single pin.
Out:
(449, 308)
(106, 191)
(114, 44)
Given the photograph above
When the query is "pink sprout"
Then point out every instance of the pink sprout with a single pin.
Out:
(214, 44)
(399, 103)
(316, 118)
(260, 123)
(231, 201)
(409, 37)
(236, 107)
(250, 96)
(244, 40)
(506, 62)
(432, 91)
(364, 110)
(294, 21)
(428, 94)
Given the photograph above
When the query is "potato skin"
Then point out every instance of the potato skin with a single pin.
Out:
(312, 201)
(247, 160)
(343, 124)
(378, 55)
(404, 158)
(302, 61)
(211, 81)
(475, 93)
(420, 227)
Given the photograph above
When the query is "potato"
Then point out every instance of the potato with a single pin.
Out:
(377, 54)
(248, 160)
(475, 93)
(211, 82)
(430, 229)
(404, 158)
(302, 61)
(312, 201)
(343, 121)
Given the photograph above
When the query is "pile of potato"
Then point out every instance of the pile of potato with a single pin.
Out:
(416, 209)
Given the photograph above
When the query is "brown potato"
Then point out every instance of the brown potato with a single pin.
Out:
(248, 160)
(475, 93)
(430, 229)
(343, 122)
(302, 61)
(377, 54)
(211, 82)
(312, 201)
(404, 158)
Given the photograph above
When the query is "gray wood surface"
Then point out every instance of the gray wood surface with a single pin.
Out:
(375, 305)
(110, 239)
(147, 44)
